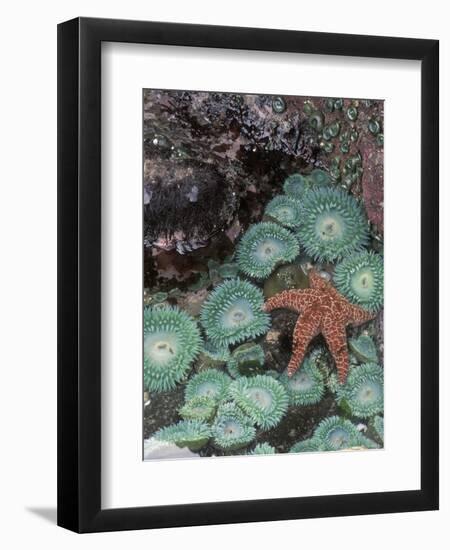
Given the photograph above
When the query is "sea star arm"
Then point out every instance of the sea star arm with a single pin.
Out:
(296, 300)
(318, 282)
(305, 329)
(336, 338)
(358, 316)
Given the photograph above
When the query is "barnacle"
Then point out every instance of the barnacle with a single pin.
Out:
(306, 446)
(263, 449)
(264, 246)
(285, 210)
(333, 225)
(231, 429)
(193, 434)
(233, 313)
(171, 342)
(306, 386)
(211, 383)
(360, 279)
(246, 360)
(262, 398)
(200, 407)
(335, 433)
(363, 390)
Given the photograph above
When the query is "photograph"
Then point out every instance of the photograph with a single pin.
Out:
(263, 274)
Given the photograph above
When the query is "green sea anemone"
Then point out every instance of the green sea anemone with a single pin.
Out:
(210, 383)
(363, 390)
(378, 425)
(263, 449)
(231, 429)
(233, 313)
(310, 445)
(333, 226)
(264, 246)
(360, 279)
(262, 398)
(285, 210)
(295, 185)
(306, 386)
(319, 177)
(193, 434)
(200, 407)
(335, 433)
(363, 348)
(246, 360)
(171, 342)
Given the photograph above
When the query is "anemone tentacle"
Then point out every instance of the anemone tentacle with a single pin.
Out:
(262, 398)
(306, 446)
(171, 342)
(193, 434)
(334, 225)
(360, 279)
(306, 386)
(363, 390)
(231, 429)
(211, 383)
(263, 449)
(378, 424)
(285, 210)
(263, 247)
(233, 313)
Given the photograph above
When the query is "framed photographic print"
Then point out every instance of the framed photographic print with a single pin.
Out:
(248, 275)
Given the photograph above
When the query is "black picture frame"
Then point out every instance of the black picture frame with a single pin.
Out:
(79, 274)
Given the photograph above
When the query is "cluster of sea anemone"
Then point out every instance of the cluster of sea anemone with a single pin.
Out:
(363, 390)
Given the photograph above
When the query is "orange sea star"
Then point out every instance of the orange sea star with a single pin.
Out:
(323, 310)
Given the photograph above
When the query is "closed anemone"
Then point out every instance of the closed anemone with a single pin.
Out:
(364, 390)
(306, 386)
(201, 407)
(233, 313)
(310, 445)
(335, 433)
(193, 434)
(231, 429)
(295, 185)
(363, 348)
(320, 177)
(285, 210)
(171, 342)
(263, 449)
(210, 383)
(264, 246)
(246, 360)
(333, 225)
(262, 398)
(360, 279)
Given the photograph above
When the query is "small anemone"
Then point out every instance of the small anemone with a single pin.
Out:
(310, 445)
(210, 383)
(193, 434)
(335, 433)
(171, 342)
(233, 313)
(200, 407)
(360, 279)
(212, 357)
(319, 177)
(263, 449)
(231, 429)
(263, 247)
(306, 386)
(333, 225)
(363, 348)
(262, 398)
(285, 210)
(363, 390)
(246, 360)
(295, 185)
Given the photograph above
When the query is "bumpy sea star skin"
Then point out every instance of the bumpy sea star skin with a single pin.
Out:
(322, 310)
